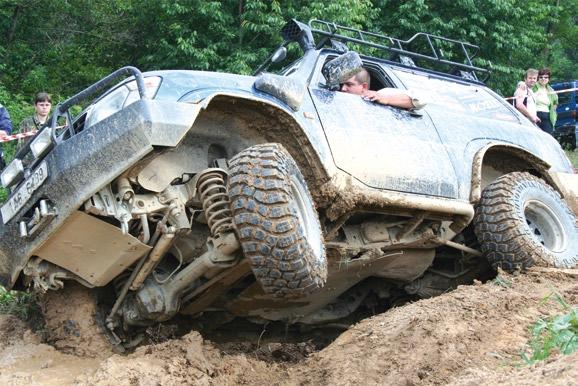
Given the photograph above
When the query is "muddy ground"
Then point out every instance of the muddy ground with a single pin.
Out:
(471, 336)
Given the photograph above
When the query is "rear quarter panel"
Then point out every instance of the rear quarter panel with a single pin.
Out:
(469, 117)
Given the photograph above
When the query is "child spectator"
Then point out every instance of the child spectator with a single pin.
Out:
(42, 106)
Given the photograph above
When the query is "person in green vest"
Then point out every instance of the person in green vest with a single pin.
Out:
(42, 106)
(546, 101)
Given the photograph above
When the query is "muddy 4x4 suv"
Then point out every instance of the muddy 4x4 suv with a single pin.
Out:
(279, 198)
(567, 123)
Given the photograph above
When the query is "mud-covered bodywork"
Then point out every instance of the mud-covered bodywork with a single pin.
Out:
(85, 163)
(174, 188)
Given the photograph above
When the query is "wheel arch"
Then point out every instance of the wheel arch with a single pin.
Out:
(493, 161)
(266, 121)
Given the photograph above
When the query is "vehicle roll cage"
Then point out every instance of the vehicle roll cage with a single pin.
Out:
(403, 50)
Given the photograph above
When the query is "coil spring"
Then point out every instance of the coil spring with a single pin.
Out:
(215, 200)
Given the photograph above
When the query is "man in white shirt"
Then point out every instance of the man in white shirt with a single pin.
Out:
(524, 98)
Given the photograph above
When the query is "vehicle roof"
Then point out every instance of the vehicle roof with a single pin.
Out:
(565, 84)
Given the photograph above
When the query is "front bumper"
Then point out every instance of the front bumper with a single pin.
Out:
(82, 165)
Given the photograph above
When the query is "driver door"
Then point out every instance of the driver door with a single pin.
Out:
(382, 146)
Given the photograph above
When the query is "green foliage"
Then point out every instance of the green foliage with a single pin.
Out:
(573, 157)
(557, 333)
(18, 109)
(21, 304)
(62, 46)
(501, 281)
(512, 34)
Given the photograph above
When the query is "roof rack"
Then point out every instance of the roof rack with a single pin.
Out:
(421, 46)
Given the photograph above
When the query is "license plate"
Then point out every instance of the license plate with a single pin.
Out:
(24, 192)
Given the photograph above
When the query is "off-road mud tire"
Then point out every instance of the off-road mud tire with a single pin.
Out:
(276, 221)
(521, 221)
(72, 323)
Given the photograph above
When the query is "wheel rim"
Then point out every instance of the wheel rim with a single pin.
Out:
(545, 226)
(307, 217)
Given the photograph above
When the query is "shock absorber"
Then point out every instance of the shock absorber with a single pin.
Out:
(215, 200)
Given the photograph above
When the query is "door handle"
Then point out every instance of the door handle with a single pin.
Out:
(415, 113)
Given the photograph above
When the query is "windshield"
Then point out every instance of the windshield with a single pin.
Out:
(119, 99)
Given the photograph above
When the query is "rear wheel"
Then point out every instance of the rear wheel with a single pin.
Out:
(521, 221)
(276, 221)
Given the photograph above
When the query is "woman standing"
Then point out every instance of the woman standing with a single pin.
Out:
(546, 101)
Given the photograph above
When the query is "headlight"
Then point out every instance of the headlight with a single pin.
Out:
(12, 173)
(42, 143)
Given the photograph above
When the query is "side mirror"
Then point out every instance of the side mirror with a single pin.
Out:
(338, 70)
(279, 55)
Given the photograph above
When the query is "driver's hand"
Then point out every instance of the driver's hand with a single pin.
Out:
(370, 95)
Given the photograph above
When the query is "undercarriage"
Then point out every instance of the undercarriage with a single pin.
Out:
(190, 249)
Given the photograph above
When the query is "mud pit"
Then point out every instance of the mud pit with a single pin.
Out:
(471, 336)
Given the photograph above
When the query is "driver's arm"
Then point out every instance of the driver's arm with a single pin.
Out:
(395, 97)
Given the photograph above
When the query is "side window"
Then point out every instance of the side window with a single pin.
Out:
(565, 97)
(457, 97)
(290, 69)
(378, 79)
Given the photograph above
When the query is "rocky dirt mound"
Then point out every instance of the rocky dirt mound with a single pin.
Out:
(471, 336)
(185, 361)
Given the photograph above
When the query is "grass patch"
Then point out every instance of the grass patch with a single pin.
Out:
(501, 281)
(555, 334)
(573, 157)
(24, 305)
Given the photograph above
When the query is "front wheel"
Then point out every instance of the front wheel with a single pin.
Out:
(276, 221)
(521, 221)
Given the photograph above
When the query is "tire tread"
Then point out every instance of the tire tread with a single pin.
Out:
(268, 227)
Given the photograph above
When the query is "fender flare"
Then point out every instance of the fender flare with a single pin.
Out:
(534, 163)
(298, 143)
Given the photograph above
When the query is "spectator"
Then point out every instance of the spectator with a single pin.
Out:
(42, 106)
(5, 129)
(546, 101)
(524, 98)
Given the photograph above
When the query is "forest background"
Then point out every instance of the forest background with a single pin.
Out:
(63, 46)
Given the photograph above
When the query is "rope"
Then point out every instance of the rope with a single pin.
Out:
(555, 92)
(13, 137)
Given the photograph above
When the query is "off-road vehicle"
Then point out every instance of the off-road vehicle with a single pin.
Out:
(567, 123)
(276, 197)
